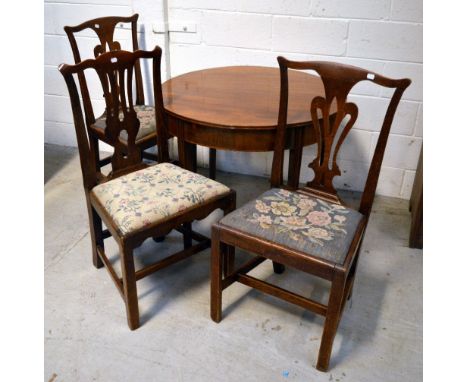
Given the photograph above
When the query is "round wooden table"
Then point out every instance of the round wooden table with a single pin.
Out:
(236, 108)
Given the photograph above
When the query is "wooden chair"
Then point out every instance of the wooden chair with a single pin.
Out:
(136, 201)
(104, 27)
(309, 229)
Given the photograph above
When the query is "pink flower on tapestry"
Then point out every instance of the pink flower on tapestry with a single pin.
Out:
(294, 221)
(319, 218)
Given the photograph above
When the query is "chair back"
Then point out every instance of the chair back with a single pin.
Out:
(332, 119)
(115, 71)
(104, 27)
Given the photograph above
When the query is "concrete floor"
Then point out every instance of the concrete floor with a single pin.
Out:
(260, 338)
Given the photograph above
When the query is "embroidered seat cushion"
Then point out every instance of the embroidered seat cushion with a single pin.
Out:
(299, 222)
(154, 194)
(145, 115)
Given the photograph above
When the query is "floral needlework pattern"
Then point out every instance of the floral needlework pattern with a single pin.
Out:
(299, 221)
(154, 194)
(145, 115)
(300, 216)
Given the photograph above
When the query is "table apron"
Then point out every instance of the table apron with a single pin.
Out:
(234, 139)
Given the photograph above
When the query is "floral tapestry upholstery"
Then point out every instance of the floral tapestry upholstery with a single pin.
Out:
(299, 222)
(154, 194)
(145, 115)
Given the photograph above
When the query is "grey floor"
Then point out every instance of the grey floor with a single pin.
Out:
(259, 339)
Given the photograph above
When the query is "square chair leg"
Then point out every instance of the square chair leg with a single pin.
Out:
(95, 229)
(216, 276)
(332, 319)
(129, 287)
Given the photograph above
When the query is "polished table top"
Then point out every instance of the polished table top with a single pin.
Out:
(244, 97)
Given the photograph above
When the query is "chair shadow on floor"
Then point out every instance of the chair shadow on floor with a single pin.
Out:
(293, 280)
(360, 319)
(168, 284)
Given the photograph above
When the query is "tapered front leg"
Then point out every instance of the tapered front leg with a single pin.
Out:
(95, 229)
(129, 286)
(332, 320)
(216, 276)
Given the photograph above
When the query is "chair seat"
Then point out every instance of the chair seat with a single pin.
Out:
(299, 222)
(154, 194)
(145, 114)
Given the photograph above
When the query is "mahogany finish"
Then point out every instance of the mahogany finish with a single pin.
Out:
(115, 71)
(416, 207)
(104, 27)
(236, 108)
(338, 117)
(239, 97)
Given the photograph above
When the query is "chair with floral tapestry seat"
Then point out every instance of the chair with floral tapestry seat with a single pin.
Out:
(104, 27)
(135, 200)
(310, 228)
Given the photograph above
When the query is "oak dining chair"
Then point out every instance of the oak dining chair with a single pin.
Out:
(135, 200)
(104, 28)
(310, 229)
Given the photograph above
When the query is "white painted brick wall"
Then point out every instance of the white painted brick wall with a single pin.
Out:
(385, 40)
(361, 9)
(237, 29)
(410, 70)
(418, 130)
(408, 180)
(307, 35)
(402, 151)
(356, 146)
(381, 35)
(404, 10)
(284, 7)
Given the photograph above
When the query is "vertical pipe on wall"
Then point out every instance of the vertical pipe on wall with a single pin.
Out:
(167, 53)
